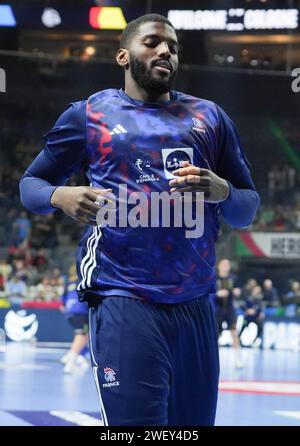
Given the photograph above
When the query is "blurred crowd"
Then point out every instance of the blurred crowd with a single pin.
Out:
(241, 308)
(26, 278)
(278, 218)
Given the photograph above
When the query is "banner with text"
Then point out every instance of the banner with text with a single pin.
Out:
(269, 244)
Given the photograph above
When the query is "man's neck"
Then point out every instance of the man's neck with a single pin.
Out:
(135, 92)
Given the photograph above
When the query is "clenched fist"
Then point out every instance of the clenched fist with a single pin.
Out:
(190, 178)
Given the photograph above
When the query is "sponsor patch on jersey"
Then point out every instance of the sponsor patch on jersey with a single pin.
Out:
(174, 158)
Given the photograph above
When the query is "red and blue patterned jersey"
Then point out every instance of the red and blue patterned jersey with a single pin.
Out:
(123, 141)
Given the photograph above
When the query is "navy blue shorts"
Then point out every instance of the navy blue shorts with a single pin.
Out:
(155, 364)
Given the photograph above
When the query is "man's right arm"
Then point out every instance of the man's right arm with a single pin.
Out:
(42, 187)
(63, 155)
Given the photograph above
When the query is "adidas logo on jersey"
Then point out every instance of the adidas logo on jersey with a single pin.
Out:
(118, 129)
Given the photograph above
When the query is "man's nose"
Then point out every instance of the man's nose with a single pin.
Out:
(163, 49)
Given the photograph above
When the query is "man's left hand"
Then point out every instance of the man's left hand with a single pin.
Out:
(190, 178)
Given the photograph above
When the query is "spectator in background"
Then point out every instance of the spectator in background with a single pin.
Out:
(16, 290)
(224, 305)
(39, 260)
(266, 218)
(292, 299)
(4, 301)
(270, 294)
(290, 174)
(296, 217)
(21, 229)
(44, 231)
(253, 312)
(272, 180)
(57, 277)
(280, 220)
(57, 282)
(11, 216)
(77, 315)
(247, 288)
(19, 267)
(5, 269)
(45, 291)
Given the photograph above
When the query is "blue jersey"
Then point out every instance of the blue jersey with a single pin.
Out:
(122, 141)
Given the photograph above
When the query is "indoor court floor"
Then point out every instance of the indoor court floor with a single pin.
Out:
(35, 391)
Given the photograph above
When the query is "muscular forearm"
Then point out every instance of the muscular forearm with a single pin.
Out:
(240, 207)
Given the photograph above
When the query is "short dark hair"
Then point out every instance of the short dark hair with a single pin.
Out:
(133, 26)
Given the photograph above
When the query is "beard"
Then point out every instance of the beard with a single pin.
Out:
(144, 78)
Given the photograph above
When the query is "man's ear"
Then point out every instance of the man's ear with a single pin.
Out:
(122, 58)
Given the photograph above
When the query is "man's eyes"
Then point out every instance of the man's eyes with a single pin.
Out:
(173, 49)
(151, 44)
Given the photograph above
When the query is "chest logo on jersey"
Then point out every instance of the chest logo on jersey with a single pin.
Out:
(174, 158)
(198, 125)
(118, 129)
(143, 165)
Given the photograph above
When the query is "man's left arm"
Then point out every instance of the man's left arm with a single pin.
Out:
(239, 209)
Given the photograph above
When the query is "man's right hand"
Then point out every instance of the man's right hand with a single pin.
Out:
(79, 201)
